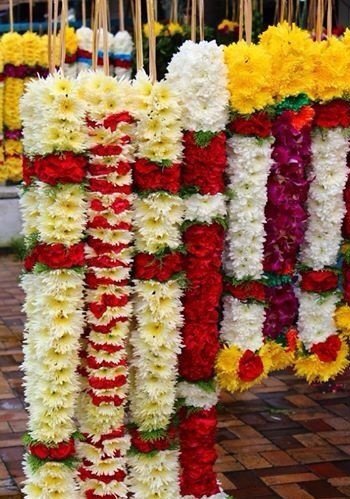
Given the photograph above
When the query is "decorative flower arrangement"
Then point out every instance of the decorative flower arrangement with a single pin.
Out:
(123, 48)
(108, 259)
(158, 288)
(324, 351)
(203, 236)
(54, 206)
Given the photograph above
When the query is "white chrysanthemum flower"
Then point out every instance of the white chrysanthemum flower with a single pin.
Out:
(205, 208)
(196, 396)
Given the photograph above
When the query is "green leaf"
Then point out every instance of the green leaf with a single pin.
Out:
(203, 139)
(186, 192)
(152, 435)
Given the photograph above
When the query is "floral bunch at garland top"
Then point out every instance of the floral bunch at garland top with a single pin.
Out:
(53, 199)
(123, 48)
(203, 236)
(156, 340)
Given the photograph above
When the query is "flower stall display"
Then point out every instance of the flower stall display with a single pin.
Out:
(198, 74)
(101, 413)
(54, 207)
(123, 49)
(158, 289)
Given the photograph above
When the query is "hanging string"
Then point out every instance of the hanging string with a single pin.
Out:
(30, 15)
(151, 41)
(49, 36)
(248, 20)
(201, 19)
(83, 12)
(193, 20)
(121, 16)
(240, 28)
(329, 18)
(11, 15)
(138, 35)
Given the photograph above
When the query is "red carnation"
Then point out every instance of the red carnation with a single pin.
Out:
(250, 366)
(149, 267)
(327, 351)
(332, 114)
(57, 256)
(151, 176)
(106, 150)
(63, 450)
(114, 119)
(28, 170)
(64, 168)
(104, 383)
(247, 291)
(319, 281)
(204, 240)
(259, 125)
(39, 450)
(104, 187)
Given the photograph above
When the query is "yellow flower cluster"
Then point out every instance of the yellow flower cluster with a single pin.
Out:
(71, 41)
(158, 29)
(227, 25)
(342, 319)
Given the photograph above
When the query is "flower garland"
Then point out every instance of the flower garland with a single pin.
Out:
(123, 48)
(203, 237)
(285, 227)
(3, 174)
(323, 353)
(156, 340)
(71, 45)
(108, 257)
(53, 206)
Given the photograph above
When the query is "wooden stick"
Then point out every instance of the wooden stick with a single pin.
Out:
(194, 20)
(138, 35)
(30, 15)
(95, 35)
(176, 11)
(241, 16)
(201, 19)
(151, 41)
(49, 37)
(282, 11)
(83, 12)
(290, 12)
(105, 37)
(11, 15)
(329, 18)
(248, 18)
(121, 16)
(64, 15)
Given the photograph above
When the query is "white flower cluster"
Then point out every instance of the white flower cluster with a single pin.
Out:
(85, 41)
(198, 74)
(249, 163)
(243, 324)
(325, 203)
(316, 323)
(155, 476)
(30, 211)
(158, 132)
(52, 479)
(123, 48)
(52, 114)
(157, 220)
(205, 208)
(196, 396)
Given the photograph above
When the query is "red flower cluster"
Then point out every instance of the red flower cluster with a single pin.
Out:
(114, 120)
(333, 114)
(59, 168)
(147, 266)
(327, 351)
(204, 244)
(28, 170)
(319, 281)
(204, 166)
(346, 282)
(56, 256)
(198, 455)
(250, 366)
(62, 451)
(149, 176)
(145, 446)
(250, 290)
(258, 125)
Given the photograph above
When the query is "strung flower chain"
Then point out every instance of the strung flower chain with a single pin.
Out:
(245, 360)
(323, 353)
(203, 237)
(123, 48)
(156, 340)
(54, 207)
(108, 257)
(285, 228)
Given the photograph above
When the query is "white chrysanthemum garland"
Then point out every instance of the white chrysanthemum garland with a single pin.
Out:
(156, 340)
(123, 48)
(102, 402)
(196, 72)
(323, 353)
(84, 52)
(53, 173)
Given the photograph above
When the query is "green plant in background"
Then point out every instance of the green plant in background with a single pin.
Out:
(18, 248)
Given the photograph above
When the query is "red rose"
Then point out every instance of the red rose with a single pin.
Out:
(204, 240)
(259, 125)
(333, 114)
(250, 366)
(58, 256)
(114, 119)
(63, 168)
(327, 351)
(63, 450)
(39, 450)
(319, 281)
(150, 176)
(251, 290)
(149, 267)
(28, 170)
